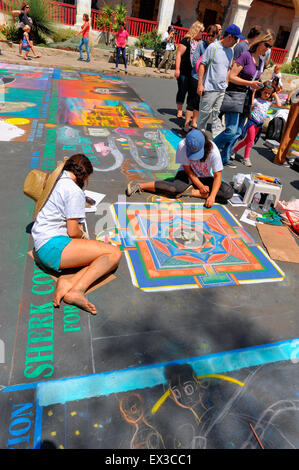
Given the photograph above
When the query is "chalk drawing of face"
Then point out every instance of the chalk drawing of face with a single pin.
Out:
(183, 385)
(131, 408)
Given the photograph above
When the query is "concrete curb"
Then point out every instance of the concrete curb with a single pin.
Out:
(58, 58)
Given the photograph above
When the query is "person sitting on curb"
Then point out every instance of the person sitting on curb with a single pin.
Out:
(59, 242)
(200, 173)
(166, 62)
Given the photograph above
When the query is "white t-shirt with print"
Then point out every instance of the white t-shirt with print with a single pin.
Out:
(202, 169)
(260, 109)
(66, 201)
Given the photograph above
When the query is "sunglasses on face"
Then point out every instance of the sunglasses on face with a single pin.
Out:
(269, 46)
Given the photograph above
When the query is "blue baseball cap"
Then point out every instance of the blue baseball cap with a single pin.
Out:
(195, 143)
(234, 30)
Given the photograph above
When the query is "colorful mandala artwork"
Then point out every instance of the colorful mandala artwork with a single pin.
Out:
(181, 246)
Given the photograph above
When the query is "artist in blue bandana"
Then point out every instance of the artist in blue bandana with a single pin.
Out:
(200, 173)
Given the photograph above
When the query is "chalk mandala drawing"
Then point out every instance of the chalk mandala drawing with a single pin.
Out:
(169, 249)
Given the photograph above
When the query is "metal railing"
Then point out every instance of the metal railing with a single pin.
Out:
(58, 12)
(278, 55)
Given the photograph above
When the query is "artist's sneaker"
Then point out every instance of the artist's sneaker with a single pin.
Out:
(233, 156)
(246, 162)
(133, 188)
(80, 58)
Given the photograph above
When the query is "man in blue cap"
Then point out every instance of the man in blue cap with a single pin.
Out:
(213, 77)
(200, 173)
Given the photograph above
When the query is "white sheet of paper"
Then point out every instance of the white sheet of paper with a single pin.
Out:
(236, 200)
(245, 219)
(98, 197)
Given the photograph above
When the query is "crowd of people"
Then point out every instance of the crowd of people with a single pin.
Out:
(219, 77)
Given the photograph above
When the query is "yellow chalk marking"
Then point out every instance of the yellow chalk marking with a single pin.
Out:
(53, 433)
(77, 433)
(164, 397)
(50, 413)
(73, 413)
(17, 121)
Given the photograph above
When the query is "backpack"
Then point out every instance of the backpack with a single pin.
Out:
(275, 129)
(198, 64)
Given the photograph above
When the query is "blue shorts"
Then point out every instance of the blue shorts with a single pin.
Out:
(50, 253)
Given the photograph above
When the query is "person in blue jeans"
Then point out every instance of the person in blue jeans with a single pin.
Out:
(245, 73)
(121, 40)
(85, 37)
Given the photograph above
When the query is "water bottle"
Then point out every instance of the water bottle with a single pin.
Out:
(255, 204)
(268, 203)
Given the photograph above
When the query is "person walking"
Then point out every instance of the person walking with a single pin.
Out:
(213, 77)
(183, 65)
(85, 37)
(243, 77)
(168, 38)
(24, 20)
(200, 173)
(121, 40)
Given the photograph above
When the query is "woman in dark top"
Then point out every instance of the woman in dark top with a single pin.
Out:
(25, 20)
(183, 67)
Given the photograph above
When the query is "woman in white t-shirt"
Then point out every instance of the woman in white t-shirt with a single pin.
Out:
(200, 173)
(59, 241)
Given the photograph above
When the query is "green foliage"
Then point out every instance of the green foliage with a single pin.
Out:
(151, 40)
(10, 33)
(42, 26)
(120, 12)
(292, 67)
(110, 18)
(62, 34)
(105, 20)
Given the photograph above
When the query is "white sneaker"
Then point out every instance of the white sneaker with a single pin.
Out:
(246, 162)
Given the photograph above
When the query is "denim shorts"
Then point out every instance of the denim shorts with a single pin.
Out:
(50, 253)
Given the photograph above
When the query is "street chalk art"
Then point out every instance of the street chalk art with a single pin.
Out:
(170, 246)
(134, 408)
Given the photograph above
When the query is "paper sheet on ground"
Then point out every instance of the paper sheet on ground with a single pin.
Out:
(245, 218)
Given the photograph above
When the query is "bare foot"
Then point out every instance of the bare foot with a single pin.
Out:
(77, 297)
(62, 287)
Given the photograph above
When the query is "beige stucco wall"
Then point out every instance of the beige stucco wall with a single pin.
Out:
(268, 16)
